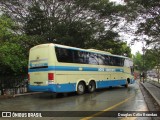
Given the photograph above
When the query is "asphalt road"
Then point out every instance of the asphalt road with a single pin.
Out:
(101, 102)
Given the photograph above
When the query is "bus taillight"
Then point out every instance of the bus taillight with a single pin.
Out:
(50, 76)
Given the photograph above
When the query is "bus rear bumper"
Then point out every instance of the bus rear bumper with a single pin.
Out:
(48, 88)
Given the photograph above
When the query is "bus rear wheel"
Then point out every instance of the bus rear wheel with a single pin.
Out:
(91, 86)
(80, 88)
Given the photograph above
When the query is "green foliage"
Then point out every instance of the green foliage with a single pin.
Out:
(64, 26)
(148, 61)
(36, 21)
(79, 23)
(72, 24)
(146, 14)
(13, 57)
(5, 25)
(108, 44)
(138, 61)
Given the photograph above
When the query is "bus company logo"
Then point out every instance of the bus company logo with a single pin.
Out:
(6, 114)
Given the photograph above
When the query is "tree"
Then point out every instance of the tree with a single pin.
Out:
(146, 15)
(13, 51)
(150, 60)
(153, 60)
(5, 25)
(138, 61)
(78, 23)
(13, 58)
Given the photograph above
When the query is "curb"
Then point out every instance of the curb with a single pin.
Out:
(16, 95)
(158, 101)
(31, 93)
(5, 96)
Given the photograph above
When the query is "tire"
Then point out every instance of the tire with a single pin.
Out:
(91, 86)
(80, 88)
(126, 85)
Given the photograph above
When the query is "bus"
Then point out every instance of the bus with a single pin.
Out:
(62, 69)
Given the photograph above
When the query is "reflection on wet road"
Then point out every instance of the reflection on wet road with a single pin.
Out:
(114, 99)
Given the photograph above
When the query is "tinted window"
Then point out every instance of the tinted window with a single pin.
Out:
(71, 56)
(82, 57)
(93, 58)
(64, 55)
(116, 61)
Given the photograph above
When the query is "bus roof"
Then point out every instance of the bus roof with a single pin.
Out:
(99, 51)
(85, 50)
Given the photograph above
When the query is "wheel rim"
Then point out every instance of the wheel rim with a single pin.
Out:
(81, 88)
(91, 87)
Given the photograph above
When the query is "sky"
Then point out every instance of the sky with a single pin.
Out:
(137, 46)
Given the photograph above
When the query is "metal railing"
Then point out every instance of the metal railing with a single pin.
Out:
(10, 85)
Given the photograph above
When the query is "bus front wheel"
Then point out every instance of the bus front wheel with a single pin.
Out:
(80, 88)
(91, 86)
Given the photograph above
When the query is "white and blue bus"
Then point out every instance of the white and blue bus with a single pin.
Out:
(58, 68)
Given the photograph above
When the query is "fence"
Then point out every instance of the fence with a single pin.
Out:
(11, 85)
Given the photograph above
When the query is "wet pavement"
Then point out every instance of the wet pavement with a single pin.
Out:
(101, 102)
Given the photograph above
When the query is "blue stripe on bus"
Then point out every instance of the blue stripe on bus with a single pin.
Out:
(70, 68)
(54, 88)
(102, 84)
(71, 87)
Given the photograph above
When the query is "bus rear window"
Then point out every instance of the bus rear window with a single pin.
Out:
(38, 67)
(41, 63)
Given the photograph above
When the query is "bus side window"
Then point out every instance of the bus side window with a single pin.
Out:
(118, 61)
(69, 56)
(80, 57)
(86, 58)
(60, 54)
(64, 55)
(111, 62)
(93, 59)
(76, 56)
(106, 60)
(122, 61)
(101, 59)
